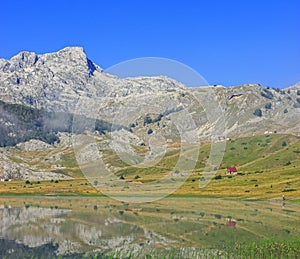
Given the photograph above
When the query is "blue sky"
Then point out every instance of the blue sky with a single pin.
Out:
(227, 42)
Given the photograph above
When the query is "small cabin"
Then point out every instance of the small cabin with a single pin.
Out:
(231, 223)
(232, 170)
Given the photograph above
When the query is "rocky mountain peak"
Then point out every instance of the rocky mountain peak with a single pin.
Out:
(73, 50)
(25, 59)
(73, 54)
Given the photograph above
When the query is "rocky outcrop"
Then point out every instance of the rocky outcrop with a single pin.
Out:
(22, 171)
(33, 145)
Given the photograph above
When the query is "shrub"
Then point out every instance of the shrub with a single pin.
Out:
(277, 90)
(267, 94)
(285, 111)
(296, 105)
(268, 106)
(218, 177)
(27, 182)
(147, 120)
(287, 163)
(298, 92)
(150, 131)
(284, 144)
(258, 112)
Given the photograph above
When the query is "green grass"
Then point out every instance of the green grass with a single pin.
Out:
(266, 168)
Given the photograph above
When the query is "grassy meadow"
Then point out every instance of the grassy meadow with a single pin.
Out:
(268, 167)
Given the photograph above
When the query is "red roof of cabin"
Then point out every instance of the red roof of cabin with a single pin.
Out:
(231, 223)
(232, 169)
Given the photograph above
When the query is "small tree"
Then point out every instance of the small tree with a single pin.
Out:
(218, 177)
(268, 106)
(258, 112)
(147, 120)
(267, 94)
(296, 105)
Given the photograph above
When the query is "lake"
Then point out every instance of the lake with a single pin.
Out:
(70, 227)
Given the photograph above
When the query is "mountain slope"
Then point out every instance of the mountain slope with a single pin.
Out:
(43, 96)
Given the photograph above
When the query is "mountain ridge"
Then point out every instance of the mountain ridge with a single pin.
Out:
(41, 94)
(62, 81)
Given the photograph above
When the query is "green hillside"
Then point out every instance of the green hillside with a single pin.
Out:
(268, 166)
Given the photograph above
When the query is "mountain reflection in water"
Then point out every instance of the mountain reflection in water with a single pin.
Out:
(72, 228)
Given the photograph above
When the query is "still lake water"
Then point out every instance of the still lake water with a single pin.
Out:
(72, 227)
